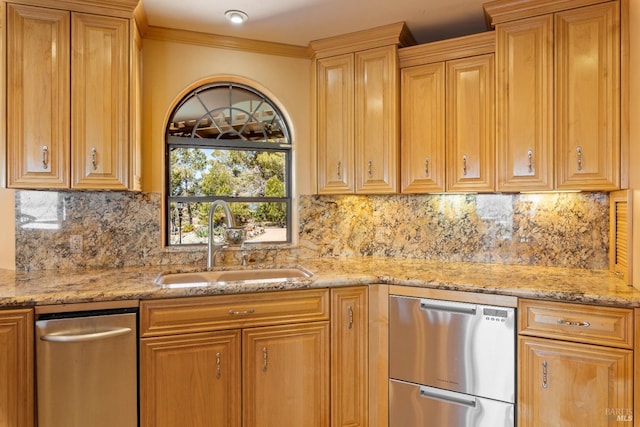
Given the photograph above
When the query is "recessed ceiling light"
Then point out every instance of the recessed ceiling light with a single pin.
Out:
(236, 16)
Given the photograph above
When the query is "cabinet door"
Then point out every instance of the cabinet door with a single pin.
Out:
(470, 124)
(285, 376)
(335, 125)
(588, 97)
(135, 149)
(524, 104)
(100, 102)
(377, 120)
(563, 384)
(3, 94)
(16, 368)
(422, 128)
(37, 97)
(190, 380)
(349, 361)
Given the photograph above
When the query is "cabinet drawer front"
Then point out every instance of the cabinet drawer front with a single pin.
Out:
(576, 322)
(198, 314)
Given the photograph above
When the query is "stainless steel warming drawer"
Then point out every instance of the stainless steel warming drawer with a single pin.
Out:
(451, 363)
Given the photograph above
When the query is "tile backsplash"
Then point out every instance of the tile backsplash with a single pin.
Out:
(123, 229)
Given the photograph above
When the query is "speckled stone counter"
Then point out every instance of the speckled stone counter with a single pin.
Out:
(560, 284)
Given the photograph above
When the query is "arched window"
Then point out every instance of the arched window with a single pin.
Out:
(228, 141)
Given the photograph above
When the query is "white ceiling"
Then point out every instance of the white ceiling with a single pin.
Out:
(298, 22)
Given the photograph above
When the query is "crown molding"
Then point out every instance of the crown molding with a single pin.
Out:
(392, 34)
(445, 50)
(499, 11)
(119, 8)
(225, 42)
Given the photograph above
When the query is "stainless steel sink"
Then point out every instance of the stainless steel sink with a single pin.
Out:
(217, 277)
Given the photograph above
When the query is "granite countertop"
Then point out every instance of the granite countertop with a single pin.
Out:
(24, 289)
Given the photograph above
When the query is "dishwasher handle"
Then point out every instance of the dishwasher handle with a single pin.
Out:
(450, 306)
(447, 396)
(66, 337)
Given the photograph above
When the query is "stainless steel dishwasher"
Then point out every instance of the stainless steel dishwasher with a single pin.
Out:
(451, 364)
(87, 368)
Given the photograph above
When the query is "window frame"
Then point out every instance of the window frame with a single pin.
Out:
(172, 141)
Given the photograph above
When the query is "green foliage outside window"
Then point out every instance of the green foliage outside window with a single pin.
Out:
(232, 154)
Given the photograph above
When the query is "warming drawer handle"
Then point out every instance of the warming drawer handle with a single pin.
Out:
(62, 337)
(460, 308)
(447, 396)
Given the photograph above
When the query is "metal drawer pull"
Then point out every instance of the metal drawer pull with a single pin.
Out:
(447, 396)
(530, 157)
(464, 165)
(339, 170)
(370, 168)
(241, 312)
(426, 167)
(94, 158)
(350, 317)
(218, 363)
(265, 359)
(63, 337)
(570, 323)
(545, 382)
(579, 150)
(45, 157)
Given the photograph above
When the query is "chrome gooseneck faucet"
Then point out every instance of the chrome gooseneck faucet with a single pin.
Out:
(214, 248)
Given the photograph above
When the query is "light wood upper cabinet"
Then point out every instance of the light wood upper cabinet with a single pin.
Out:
(559, 83)
(16, 368)
(376, 121)
(447, 116)
(357, 107)
(100, 101)
(69, 101)
(336, 172)
(3, 95)
(38, 97)
(349, 357)
(524, 104)
(423, 128)
(470, 124)
(588, 97)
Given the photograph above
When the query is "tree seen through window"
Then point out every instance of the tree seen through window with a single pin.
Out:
(228, 141)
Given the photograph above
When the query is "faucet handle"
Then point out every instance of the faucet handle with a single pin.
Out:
(235, 235)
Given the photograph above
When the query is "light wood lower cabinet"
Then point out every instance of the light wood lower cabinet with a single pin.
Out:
(570, 384)
(254, 370)
(191, 380)
(349, 358)
(575, 365)
(16, 368)
(285, 376)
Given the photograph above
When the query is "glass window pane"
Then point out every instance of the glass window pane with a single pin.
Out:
(230, 173)
(228, 141)
(264, 222)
